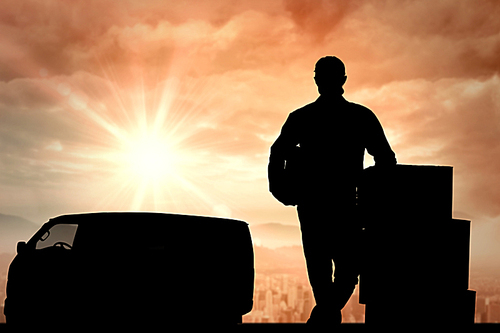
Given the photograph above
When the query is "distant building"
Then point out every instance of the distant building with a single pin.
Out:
(268, 310)
(492, 312)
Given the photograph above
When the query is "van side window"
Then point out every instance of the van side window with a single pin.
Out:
(58, 233)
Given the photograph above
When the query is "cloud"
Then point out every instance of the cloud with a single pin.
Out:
(385, 41)
(446, 17)
(65, 37)
(319, 18)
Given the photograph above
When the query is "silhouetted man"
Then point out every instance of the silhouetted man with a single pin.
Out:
(315, 164)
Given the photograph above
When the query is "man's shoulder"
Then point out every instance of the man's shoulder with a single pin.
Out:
(362, 111)
(359, 107)
(303, 110)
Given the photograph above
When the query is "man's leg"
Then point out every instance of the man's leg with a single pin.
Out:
(317, 246)
(347, 260)
(325, 237)
(319, 264)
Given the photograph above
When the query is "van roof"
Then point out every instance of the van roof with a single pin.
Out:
(138, 217)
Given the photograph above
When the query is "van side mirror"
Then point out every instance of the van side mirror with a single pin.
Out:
(21, 247)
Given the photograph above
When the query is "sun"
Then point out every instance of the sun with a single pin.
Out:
(151, 152)
(149, 157)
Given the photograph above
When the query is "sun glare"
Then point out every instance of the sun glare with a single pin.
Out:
(150, 158)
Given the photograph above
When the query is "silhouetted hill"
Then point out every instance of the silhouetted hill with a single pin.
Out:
(14, 229)
(275, 235)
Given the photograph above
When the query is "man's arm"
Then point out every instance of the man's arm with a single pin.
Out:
(281, 148)
(377, 144)
(279, 152)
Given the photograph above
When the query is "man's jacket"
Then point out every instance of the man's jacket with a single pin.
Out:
(321, 147)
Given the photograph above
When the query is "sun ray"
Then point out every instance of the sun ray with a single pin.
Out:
(111, 77)
(145, 138)
(139, 195)
(170, 88)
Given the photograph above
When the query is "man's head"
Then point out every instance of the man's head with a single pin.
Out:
(330, 75)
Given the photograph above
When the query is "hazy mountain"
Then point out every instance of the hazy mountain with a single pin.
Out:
(274, 235)
(14, 229)
(283, 258)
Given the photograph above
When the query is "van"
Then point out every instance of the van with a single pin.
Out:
(122, 269)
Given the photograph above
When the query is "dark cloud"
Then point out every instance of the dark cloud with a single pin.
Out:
(67, 36)
(454, 20)
(432, 40)
(319, 18)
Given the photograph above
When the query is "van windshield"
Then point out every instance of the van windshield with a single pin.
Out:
(59, 233)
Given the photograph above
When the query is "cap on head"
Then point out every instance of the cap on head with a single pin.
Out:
(330, 66)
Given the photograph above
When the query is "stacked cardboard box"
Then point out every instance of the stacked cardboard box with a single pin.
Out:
(416, 256)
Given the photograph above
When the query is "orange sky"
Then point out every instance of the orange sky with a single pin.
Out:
(86, 85)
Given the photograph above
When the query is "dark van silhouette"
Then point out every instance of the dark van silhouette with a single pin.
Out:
(132, 269)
